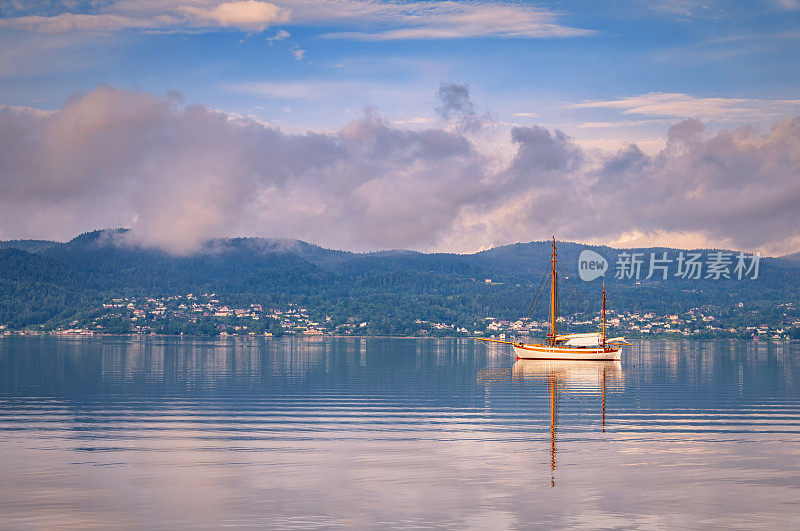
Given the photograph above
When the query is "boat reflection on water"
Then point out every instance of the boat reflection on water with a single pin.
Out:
(566, 376)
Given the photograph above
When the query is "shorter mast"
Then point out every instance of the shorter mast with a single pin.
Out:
(553, 295)
(604, 315)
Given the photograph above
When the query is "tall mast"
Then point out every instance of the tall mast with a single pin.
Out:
(553, 297)
(604, 316)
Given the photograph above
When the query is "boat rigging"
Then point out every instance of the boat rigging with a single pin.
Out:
(581, 346)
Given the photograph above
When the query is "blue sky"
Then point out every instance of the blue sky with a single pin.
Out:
(568, 53)
(605, 73)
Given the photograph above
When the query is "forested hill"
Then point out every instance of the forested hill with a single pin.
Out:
(43, 282)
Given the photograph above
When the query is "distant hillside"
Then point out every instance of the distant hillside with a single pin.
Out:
(35, 289)
(44, 282)
(32, 246)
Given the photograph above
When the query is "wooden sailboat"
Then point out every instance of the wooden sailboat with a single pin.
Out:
(590, 346)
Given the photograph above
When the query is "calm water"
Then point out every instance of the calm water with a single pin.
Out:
(160, 433)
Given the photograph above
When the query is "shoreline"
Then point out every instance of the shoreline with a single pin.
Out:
(336, 336)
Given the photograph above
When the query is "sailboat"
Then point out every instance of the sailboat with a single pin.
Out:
(590, 346)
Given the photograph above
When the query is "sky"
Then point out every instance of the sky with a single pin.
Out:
(436, 126)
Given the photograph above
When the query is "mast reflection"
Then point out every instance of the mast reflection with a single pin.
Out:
(553, 416)
(563, 376)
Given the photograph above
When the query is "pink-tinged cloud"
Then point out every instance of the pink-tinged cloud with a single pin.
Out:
(180, 175)
(678, 105)
(247, 15)
(383, 20)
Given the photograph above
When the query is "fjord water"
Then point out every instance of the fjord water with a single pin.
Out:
(160, 433)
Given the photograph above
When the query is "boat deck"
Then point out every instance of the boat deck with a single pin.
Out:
(547, 352)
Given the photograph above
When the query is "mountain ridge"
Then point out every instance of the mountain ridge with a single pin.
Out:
(46, 283)
(257, 243)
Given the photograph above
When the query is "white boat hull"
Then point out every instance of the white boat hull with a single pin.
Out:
(526, 351)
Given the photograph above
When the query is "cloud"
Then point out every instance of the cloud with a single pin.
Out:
(455, 101)
(789, 5)
(686, 9)
(616, 124)
(385, 20)
(71, 22)
(456, 107)
(281, 35)
(247, 15)
(180, 175)
(414, 120)
(298, 53)
(313, 88)
(678, 105)
(455, 20)
(23, 109)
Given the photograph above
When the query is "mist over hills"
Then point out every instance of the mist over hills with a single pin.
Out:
(48, 283)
